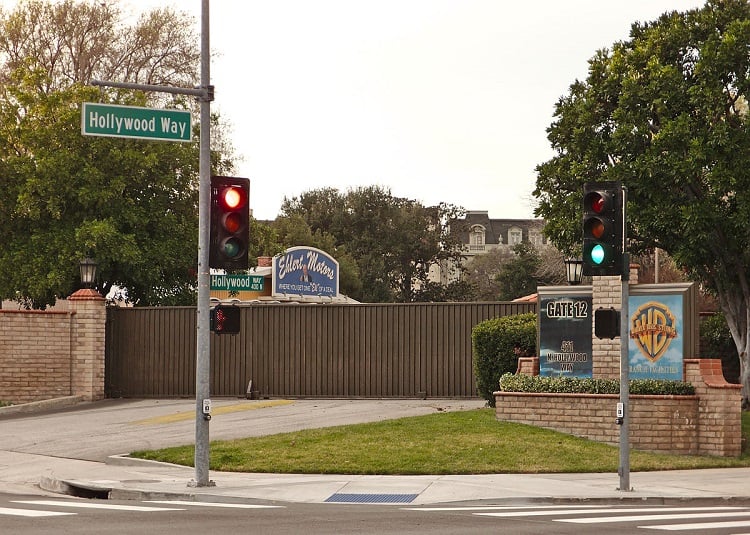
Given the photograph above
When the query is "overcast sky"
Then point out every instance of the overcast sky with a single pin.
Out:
(438, 100)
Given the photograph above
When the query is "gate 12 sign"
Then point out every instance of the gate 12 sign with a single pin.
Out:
(564, 332)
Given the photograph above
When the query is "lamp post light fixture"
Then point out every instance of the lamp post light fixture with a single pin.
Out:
(574, 271)
(88, 272)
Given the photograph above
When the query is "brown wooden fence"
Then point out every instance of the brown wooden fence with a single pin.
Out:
(302, 350)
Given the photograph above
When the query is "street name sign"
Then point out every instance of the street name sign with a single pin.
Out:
(237, 283)
(112, 120)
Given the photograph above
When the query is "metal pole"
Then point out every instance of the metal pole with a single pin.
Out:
(203, 346)
(624, 468)
(196, 92)
(203, 357)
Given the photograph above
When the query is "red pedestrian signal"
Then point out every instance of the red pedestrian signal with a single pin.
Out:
(225, 319)
(230, 223)
(602, 229)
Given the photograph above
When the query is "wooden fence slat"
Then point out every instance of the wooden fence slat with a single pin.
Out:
(290, 350)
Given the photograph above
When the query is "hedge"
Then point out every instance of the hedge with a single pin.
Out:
(496, 346)
(511, 382)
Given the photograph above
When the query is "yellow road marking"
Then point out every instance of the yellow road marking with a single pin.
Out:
(226, 409)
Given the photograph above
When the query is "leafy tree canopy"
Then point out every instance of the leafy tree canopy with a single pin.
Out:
(666, 113)
(393, 240)
(132, 205)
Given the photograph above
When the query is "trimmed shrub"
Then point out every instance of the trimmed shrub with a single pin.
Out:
(496, 346)
(511, 382)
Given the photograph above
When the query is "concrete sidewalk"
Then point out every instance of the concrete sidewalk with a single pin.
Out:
(68, 462)
(148, 480)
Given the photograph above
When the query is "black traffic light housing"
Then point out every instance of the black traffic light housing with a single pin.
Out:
(603, 228)
(225, 319)
(606, 323)
(230, 223)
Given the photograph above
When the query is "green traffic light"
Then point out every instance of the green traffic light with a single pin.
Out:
(231, 248)
(597, 254)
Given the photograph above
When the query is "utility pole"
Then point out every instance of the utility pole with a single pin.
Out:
(205, 94)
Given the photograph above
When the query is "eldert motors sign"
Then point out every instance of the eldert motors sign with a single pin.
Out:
(112, 120)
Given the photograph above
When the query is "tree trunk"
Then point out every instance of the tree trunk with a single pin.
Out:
(737, 313)
(745, 378)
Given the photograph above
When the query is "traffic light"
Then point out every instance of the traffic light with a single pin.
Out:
(230, 222)
(225, 319)
(602, 228)
(606, 323)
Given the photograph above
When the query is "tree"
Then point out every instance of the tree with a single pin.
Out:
(130, 204)
(394, 240)
(523, 273)
(666, 113)
(293, 230)
(79, 41)
(482, 271)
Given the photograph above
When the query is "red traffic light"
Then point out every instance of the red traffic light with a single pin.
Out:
(598, 202)
(233, 198)
(230, 221)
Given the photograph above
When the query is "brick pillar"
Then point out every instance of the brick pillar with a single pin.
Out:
(89, 315)
(719, 408)
(606, 292)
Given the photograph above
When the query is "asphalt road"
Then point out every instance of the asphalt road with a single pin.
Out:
(94, 431)
(33, 515)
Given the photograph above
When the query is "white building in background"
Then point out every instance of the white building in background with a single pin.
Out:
(480, 234)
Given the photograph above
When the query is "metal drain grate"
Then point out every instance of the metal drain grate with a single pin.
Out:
(371, 498)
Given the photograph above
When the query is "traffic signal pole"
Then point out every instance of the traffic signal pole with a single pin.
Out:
(203, 347)
(624, 466)
(205, 94)
(605, 254)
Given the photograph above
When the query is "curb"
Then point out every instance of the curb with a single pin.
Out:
(44, 405)
(124, 459)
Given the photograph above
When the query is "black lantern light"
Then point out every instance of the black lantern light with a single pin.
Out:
(574, 271)
(88, 272)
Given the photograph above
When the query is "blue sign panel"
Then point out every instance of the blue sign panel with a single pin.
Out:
(656, 337)
(305, 271)
(564, 332)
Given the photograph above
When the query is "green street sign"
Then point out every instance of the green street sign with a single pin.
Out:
(111, 120)
(237, 283)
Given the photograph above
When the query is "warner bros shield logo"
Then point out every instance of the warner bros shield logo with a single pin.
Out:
(652, 327)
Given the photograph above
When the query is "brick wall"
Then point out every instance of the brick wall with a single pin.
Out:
(658, 423)
(606, 293)
(34, 355)
(707, 423)
(51, 354)
(720, 407)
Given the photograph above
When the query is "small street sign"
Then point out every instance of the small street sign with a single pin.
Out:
(111, 120)
(237, 283)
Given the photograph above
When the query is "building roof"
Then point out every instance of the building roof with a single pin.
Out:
(494, 229)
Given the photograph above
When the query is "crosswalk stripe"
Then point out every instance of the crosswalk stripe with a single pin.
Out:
(97, 505)
(216, 504)
(31, 512)
(701, 525)
(640, 518)
(498, 507)
(603, 510)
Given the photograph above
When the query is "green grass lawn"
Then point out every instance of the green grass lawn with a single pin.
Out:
(468, 442)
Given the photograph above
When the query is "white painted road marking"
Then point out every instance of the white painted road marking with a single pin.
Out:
(97, 505)
(215, 504)
(30, 512)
